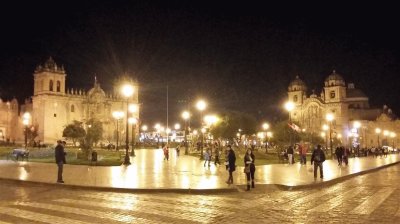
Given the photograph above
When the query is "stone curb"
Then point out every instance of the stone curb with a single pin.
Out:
(125, 190)
(328, 182)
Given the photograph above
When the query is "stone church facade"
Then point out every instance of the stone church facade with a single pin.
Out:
(348, 105)
(52, 106)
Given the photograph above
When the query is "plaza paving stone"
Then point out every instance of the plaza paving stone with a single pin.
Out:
(150, 171)
(370, 198)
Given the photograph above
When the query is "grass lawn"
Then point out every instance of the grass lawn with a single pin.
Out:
(104, 157)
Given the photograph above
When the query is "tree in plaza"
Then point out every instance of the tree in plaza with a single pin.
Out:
(282, 133)
(94, 131)
(231, 122)
(93, 136)
(74, 132)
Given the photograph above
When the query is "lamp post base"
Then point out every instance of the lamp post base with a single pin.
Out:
(127, 159)
(133, 153)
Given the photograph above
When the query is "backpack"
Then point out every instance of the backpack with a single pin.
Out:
(318, 157)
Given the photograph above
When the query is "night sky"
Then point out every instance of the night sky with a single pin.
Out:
(238, 56)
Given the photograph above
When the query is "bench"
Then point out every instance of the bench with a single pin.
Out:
(20, 153)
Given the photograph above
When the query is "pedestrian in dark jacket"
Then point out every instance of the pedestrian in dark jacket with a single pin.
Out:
(346, 153)
(339, 155)
(231, 164)
(290, 153)
(250, 168)
(60, 160)
(318, 157)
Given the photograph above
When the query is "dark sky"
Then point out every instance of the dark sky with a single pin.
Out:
(238, 56)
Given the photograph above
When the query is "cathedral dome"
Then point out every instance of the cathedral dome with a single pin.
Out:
(334, 79)
(297, 84)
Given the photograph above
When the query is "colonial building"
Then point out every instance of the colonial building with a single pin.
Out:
(348, 105)
(52, 106)
(9, 120)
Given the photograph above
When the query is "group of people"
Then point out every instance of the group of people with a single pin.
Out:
(342, 155)
(249, 166)
(208, 156)
(317, 158)
(289, 153)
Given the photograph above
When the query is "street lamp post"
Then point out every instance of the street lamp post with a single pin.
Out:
(265, 127)
(117, 116)
(158, 127)
(392, 135)
(143, 135)
(127, 91)
(378, 131)
(133, 121)
(269, 136)
(329, 118)
(201, 106)
(25, 120)
(289, 106)
(357, 126)
(185, 116)
(325, 135)
(386, 134)
(133, 108)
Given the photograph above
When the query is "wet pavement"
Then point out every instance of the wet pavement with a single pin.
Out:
(370, 198)
(150, 171)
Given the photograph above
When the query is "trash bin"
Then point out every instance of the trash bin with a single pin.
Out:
(94, 156)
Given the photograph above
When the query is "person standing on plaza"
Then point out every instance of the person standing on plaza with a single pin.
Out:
(231, 164)
(249, 168)
(290, 154)
(303, 154)
(318, 157)
(60, 160)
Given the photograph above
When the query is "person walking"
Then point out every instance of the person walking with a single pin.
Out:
(207, 158)
(249, 168)
(339, 155)
(60, 160)
(290, 154)
(217, 155)
(231, 164)
(318, 157)
(178, 149)
(166, 152)
(346, 153)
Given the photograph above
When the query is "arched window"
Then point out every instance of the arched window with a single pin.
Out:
(58, 86)
(72, 108)
(51, 85)
(295, 98)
